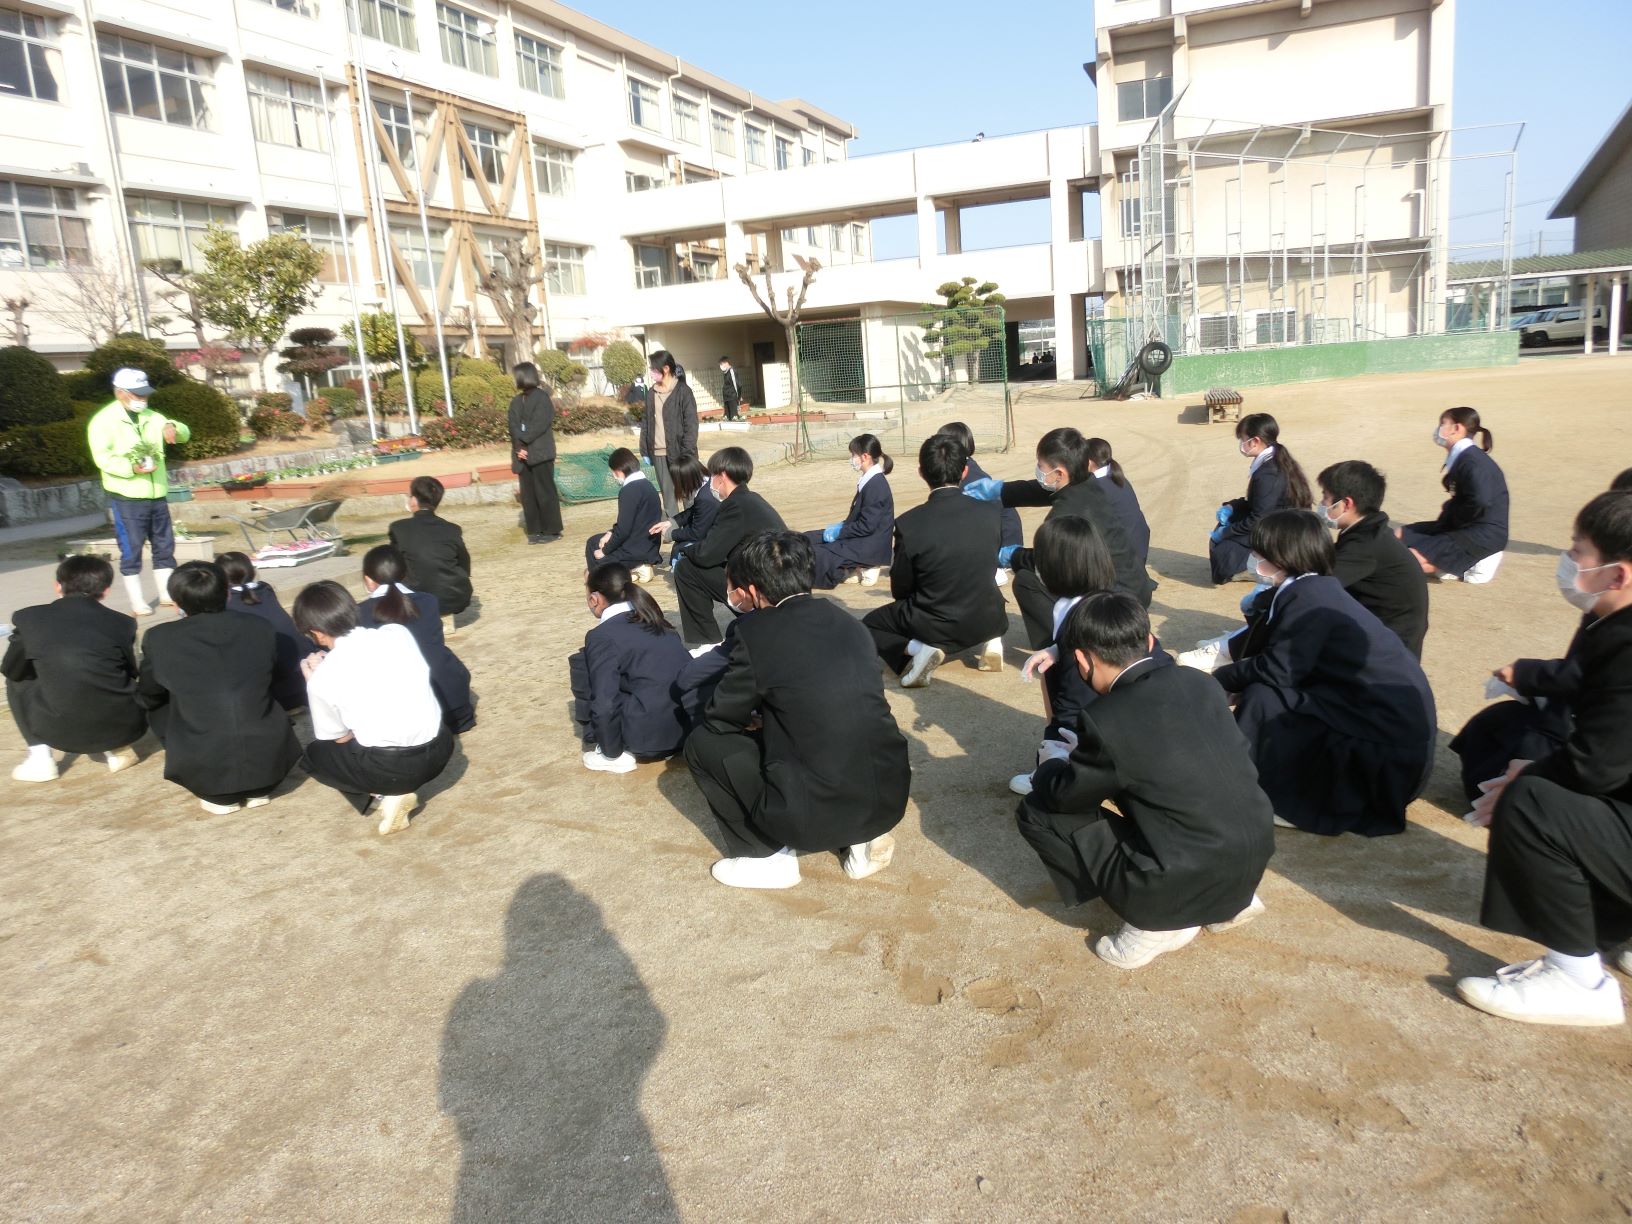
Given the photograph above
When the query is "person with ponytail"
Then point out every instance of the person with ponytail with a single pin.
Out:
(1123, 499)
(860, 544)
(1274, 482)
(630, 540)
(1467, 539)
(623, 679)
(247, 594)
(693, 489)
(391, 602)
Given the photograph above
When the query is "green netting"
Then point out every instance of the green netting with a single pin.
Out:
(584, 477)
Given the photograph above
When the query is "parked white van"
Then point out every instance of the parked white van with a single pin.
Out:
(1561, 323)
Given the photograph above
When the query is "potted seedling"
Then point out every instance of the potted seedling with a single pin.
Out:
(144, 457)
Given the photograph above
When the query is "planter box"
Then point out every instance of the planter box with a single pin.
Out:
(495, 473)
(209, 493)
(455, 480)
(178, 495)
(292, 488)
(378, 488)
(249, 493)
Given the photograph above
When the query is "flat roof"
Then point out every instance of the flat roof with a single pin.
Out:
(1533, 267)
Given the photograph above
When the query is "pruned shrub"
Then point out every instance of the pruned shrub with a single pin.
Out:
(622, 363)
(276, 401)
(275, 423)
(210, 415)
(87, 385)
(148, 356)
(56, 449)
(586, 418)
(342, 401)
(31, 390)
(480, 426)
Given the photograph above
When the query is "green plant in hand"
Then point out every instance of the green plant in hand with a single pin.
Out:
(145, 456)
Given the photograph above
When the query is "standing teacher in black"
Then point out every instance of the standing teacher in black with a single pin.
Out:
(532, 455)
(668, 429)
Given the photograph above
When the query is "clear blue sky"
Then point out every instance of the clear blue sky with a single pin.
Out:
(912, 74)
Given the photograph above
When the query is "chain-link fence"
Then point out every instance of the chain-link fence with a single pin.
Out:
(895, 377)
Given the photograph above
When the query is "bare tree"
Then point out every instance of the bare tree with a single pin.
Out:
(788, 318)
(93, 299)
(180, 296)
(19, 330)
(509, 286)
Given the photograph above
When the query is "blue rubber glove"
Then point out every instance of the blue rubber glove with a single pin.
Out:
(987, 488)
(1004, 553)
(1246, 602)
(1216, 534)
(1225, 514)
(829, 534)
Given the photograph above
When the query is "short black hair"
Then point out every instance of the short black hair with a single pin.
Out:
(960, 431)
(199, 587)
(1067, 448)
(724, 358)
(1294, 540)
(325, 607)
(1072, 557)
(1607, 521)
(526, 375)
(1111, 624)
(1355, 479)
(777, 564)
(734, 462)
(624, 461)
(83, 574)
(941, 460)
(663, 360)
(1622, 483)
(427, 491)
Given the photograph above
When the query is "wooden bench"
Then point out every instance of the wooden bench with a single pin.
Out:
(1223, 404)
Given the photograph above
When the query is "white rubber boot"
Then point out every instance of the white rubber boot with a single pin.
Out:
(138, 602)
(162, 577)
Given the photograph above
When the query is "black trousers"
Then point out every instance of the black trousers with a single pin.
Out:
(540, 501)
(359, 773)
(578, 682)
(727, 768)
(17, 701)
(1560, 868)
(1051, 835)
(698, 590)
(892, 628)
(1497, 734)
(1036, 607)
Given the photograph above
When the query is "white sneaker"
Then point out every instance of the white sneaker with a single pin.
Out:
(394, 811)
(1537, 993)
(1254, 908)
(449, 627)
(869, 576)
(219, 809)
(1208, 656)
(1281, 823)
(641, 573)
(779, 870)
(990, 658)
(258, 801)
(1002, 577)
(121, 758)
(36, 769)
(1484, 570)
(1020, 784)
(920, 665)
(1622, 960)
(1246, 576)
(621, 764)
(1131, 947)
(868, 858)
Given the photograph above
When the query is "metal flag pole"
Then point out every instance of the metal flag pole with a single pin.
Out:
(345, 247)
(436, 298)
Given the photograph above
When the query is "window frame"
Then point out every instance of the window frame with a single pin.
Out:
(395, 129)
(403, 18)
(749, 143)
(486, 150)
(638, 102)
(1143, 84)
(546, 170)
(782, 150)
(18, 214)
(318, 120)
(198, 83)
(665, 274)
(717, 119)
(540, 58)
(327, 241)
(568, 257)
(682, 118)
(459, 37)
(188, 229)
(37, 49)
(414, 250)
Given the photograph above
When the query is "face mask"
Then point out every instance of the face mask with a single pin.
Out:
(855, 463)
(1042, 478)
(1258, 566)
(1242, 447)
(1569, 577)
(1440, 439)
(1326, 513)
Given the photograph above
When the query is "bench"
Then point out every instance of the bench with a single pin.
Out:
(1223, 404)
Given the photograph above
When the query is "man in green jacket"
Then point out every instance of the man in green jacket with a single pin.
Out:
(127, 444)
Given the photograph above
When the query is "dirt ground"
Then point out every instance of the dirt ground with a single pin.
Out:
(536, 1005)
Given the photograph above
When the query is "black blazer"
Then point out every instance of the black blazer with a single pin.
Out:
(631, 688)
(1380, 572)
(743, 514)
(679, 422)
(835, 764)
(1266, 493)
(1195, 830)
(438, 562)
(945, 561)
(288, 685)
(1012, 532)
(867, 529)
(1125, 502)
(638, 508)
(1475, 515)
(532, 425)
(450, 678)
(1087, 499)
(1557, 680)
(75, 660)
(207, 681)
(694, 686)
(1596, 759)
(731, 393)
(693, 523)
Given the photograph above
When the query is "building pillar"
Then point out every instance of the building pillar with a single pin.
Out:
(1615, 290)
(927, 248)
(1586, 314)
(1070, 354)
(736, 248)
(954, 229)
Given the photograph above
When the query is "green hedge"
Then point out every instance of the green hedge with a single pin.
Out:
(212, 417)
(52, 450)
(468, 428)
(88, 385)
(31, 390)
(342, 402)
(586, 418)
(149, 356)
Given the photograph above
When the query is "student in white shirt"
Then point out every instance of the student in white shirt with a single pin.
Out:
(377, 724)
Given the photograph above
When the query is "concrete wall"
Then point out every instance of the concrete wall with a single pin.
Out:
(1604, 219)
(1269, 366)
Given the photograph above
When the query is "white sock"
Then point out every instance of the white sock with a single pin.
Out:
(913, 647)
(39, 752)
(1585, 971)
(791, 853)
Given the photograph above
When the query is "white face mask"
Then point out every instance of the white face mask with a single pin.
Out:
(1242, 447)
(855, 463)
(1329, 517)
(1042, 478)
(1263, 570)
(1569, 582)
(1440, 439)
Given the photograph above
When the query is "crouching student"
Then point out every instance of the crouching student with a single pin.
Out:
(630, 542)
(1194, 831)
(694, 490)
(1560, 865)
(1467, 540)
(1013, 532)
(1370, 561)
(247, 594)
(798, 750)
(70, 669)
(434, 548)
(940, 579)
(378, 727)
(390, 602)
(699, 578)
(208, 682)
(694, 686)
(861, 544)
(623, 678)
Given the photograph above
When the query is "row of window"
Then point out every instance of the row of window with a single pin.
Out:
(833, 236)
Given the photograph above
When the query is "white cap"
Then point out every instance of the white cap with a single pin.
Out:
(132, 380)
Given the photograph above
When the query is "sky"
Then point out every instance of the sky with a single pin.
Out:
(910, 74)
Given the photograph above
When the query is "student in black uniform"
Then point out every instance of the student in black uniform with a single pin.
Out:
(691, 488)
(1192, 832)
(944, 599)
(247, 594)
(1337, 710)
(207, 683)
(1372, 564)
(438, 562)
(1274, 482)
(532, 455)
(699, 579)
(623, 679)
(827, 769)
(70, 669)
(1013, 532)
(1466, 541)
(1123, 499)
(1622, 483)
(694, 686)
(861, 543)
(391, 602)
(1560, 865)
(630, 542)
(1065, 484)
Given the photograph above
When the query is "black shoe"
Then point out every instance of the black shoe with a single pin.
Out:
(535, 539)
(548, 538)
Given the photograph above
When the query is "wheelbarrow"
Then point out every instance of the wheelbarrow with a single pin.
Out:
(310, 529)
